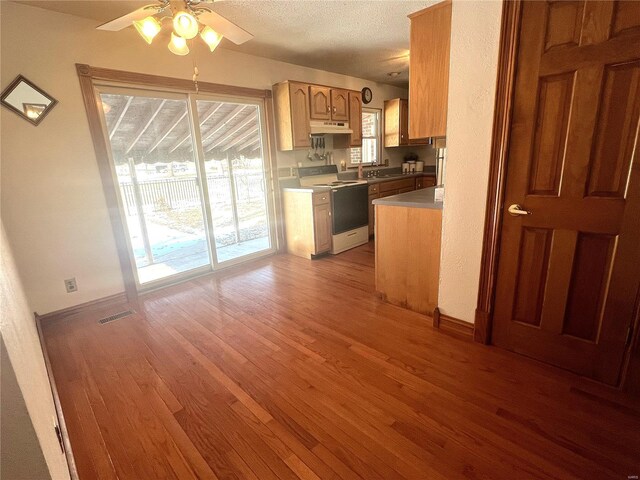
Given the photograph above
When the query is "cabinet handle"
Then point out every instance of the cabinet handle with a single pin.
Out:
(329, 213)
(334, 109)
(328, 109)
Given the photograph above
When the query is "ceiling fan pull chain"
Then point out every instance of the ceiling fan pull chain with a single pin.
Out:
(196, 72)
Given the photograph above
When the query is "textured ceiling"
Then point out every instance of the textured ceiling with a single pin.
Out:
(366, 39)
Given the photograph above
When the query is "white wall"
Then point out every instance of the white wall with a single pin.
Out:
(53, 206)
(20, 337)
(21, 456)
(475, 32)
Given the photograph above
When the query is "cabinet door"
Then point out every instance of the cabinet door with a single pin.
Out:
(355, 118)
(372, 214)
(389, 193)
(404, 122)
(339, 105)
(419, 183)
(429, 71)
(322, 227)
(299, 95)
(320, 102)
(429, 181)
(392, 123)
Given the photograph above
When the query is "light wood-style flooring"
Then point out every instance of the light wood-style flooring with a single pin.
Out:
(293, 368)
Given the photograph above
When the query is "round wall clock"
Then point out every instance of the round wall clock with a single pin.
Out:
(367, 96)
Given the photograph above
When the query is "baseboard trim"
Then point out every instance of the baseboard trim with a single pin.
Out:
(482, 327)
(62, 424)
(100, 302)
(452, 325)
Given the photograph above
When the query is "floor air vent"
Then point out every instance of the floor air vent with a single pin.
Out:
(115, 316)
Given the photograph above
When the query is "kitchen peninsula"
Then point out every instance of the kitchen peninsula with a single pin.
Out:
(408, 229)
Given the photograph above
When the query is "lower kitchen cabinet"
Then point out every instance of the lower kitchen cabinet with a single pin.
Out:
(307, 218)
(395, 187)
(407, 275)
(321, 223)
(425, 182)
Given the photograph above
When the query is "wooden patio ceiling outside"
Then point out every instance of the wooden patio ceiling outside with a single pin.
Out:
(153, 130)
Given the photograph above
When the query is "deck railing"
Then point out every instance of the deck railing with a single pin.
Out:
(173, 193)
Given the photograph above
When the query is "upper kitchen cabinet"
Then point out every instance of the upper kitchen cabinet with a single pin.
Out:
(329, 103)
(339, 105)
(355, 122)
(299, 106)
(396, 124)
(429, 71)
(291, 101)
(355, 118)
(320, 102)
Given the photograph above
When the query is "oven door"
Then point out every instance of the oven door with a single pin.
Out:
(350, 208)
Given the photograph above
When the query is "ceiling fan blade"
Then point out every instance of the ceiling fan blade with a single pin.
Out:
(225, 27)
(126, 20)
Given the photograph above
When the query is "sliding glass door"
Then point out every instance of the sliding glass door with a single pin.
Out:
(233, 157)
(192, 181)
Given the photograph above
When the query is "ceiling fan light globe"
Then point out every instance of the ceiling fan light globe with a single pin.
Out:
(211, 37)
(185, 25)
(148, 28)
(178, 45)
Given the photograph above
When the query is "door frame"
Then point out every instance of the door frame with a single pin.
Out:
(89, 77)
(498, 165)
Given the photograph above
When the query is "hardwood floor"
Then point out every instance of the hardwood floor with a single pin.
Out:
(293, 368)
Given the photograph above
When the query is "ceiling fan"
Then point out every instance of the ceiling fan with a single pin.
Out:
(188, 19)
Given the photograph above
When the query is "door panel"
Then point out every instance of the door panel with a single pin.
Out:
(535, 244)
(614, 131)
(320, 102)
(587, 288)
(569, 273)
(404, 122)
(564, 24)
(151, 148)
(339, 105)
(233, 152)
(322, 227)
(554, 104)
(355, 118)
(299, 94)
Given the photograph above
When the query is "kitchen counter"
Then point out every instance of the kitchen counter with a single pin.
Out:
(399, 176)
(423, 198)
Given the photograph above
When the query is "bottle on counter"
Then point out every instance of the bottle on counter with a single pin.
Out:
(360, 172)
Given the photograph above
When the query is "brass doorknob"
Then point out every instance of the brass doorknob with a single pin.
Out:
(516, 210)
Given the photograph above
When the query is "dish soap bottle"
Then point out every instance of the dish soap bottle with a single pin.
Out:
(360, 172)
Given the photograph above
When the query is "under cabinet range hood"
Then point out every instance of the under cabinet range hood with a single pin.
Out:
(320, 126)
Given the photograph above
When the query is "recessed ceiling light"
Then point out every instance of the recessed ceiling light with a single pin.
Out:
(393, 74)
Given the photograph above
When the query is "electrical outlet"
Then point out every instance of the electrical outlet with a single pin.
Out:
(71, 285)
